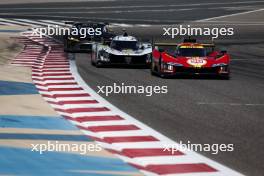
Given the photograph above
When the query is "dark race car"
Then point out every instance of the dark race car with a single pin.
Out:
(80, 42)
(189, 58)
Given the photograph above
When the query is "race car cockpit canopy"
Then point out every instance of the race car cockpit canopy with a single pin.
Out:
(124, 42)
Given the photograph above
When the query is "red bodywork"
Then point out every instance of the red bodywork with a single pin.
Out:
(214, 62)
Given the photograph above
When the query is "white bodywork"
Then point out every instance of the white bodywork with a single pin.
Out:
(143, 48)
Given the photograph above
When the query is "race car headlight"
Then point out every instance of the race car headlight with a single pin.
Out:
(73, 39)
(175, 64)
(105, 56)
(222, 67)
(167, 66)
(219, 65)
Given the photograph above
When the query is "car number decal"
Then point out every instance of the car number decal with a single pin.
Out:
(196, 62)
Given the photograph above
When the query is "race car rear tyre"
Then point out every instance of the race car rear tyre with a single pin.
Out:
(162, 75)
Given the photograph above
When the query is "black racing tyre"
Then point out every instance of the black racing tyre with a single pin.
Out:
(92, 61)
(162, 75)
(225, 77)
(153, 71)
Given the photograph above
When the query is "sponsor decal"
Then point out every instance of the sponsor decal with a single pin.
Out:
(191, 46)
(127, 51)
(196, 61)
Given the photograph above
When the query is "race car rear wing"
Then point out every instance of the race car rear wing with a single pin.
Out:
(176, 44)
(169, 47)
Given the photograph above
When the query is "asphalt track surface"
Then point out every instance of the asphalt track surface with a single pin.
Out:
(197, 110)
(130, 11)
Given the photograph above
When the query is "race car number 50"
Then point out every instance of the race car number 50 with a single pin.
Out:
(196, 62)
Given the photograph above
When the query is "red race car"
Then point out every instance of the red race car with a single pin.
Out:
(189, 58)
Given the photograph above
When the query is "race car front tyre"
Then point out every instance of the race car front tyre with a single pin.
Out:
(98, 64)
(225, 77)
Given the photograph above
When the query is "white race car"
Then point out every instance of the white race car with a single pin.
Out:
(122, 50)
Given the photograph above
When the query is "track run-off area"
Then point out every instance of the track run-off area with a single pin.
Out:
(200, 110)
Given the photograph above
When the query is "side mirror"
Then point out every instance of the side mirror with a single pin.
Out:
(223, 52)
(161, 50)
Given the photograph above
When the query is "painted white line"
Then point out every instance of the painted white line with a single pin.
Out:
(50, 69)
(71, 106)
(54, 22)
(15, 22)
(144, 161)
(7, 23)
(58, 86)
(141, 145)
(231, 104)
(62, 92)
(45, 73)
(235, 14)
(74, 98)
(32, 22)
(105, 123)
(46, 77)
(117, 11)
(51, 99)
(22, 62)
(123, 133)
(57, 61)
(54, 81)
(57, 66)
(103, 113)
(144, 6)
(104, 18)
(21, 65)
(116, 133)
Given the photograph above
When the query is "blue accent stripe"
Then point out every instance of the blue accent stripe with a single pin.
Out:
(35, 122)
(56, 137)
(15, 161)
(16, 88)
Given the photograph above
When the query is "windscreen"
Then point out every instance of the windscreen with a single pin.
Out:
(192, 52)
(120, 45)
